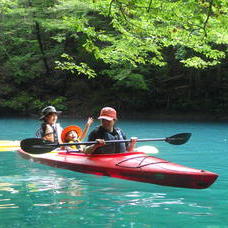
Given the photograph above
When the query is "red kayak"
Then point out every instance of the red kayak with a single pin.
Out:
(136, 166)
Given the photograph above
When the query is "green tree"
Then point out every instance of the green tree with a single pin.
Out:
(157, 54)
(139, 31)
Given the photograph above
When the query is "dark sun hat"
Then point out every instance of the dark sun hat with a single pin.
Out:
(47, 110)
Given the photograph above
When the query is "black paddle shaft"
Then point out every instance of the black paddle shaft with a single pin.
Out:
(40, 146)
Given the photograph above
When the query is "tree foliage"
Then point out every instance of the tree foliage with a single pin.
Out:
(139, 30)
(162, 54)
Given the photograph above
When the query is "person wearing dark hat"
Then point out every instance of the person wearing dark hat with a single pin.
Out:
(50, 130)
(107, 131)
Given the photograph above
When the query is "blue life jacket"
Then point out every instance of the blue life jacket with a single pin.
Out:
(101, 133)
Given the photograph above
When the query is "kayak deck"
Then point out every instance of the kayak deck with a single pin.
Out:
(136, 166)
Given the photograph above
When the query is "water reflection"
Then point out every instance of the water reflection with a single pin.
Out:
(6, 203)
(7, 187)
(74, 190)
(44, 190)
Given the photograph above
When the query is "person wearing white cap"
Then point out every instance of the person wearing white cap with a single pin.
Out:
(50, 130)
(107, 131)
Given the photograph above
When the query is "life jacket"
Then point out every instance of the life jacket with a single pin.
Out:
(117, 134)
(57, 129)
(74, 147)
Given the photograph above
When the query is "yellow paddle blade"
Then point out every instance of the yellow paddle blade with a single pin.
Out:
(7, 145)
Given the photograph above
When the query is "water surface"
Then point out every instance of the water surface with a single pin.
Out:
(35, 195)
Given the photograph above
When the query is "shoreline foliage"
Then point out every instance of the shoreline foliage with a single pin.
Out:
(137, 55)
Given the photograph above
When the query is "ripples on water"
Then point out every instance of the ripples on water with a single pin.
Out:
(34, 195)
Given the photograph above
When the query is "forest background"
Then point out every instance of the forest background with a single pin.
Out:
(146, 58)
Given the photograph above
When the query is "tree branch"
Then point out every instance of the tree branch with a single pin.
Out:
(149, 7)
(208, 16)
(110, 7)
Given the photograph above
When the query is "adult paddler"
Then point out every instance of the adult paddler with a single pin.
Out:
(50, 130)
(107, 131)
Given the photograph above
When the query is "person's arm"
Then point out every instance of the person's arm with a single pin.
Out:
(87, 126)
(132, 144)
(93, 137)
(127, 144)
(92, 148)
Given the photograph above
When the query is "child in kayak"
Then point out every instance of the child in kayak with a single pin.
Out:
(73, 134)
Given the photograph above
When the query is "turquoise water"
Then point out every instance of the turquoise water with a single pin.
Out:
(35, 195)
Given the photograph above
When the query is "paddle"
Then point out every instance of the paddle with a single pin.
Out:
(8, 145)
(40, 146)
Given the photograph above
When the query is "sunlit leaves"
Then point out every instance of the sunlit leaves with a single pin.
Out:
(168, 23)
(138, 31)
(6, 6)
(198, 62)
(69, 65)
